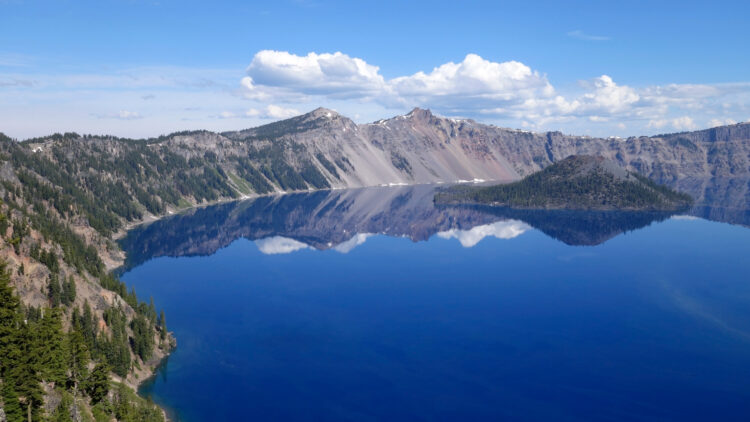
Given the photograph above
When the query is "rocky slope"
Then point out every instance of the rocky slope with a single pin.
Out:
(420, 147)
(55, 262)
(323, 149)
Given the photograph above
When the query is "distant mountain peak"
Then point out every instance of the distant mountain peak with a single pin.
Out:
(420, 113)
(323, 113)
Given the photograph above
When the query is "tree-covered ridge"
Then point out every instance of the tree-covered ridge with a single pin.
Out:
(53, 256)
(577, 182)
(112, 181)
(49, 373)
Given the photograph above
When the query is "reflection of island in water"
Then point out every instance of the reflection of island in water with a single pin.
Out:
(343, 219)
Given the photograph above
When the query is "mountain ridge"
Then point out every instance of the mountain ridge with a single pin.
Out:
(323, 149)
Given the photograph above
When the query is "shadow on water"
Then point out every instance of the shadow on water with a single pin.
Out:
(325, 219)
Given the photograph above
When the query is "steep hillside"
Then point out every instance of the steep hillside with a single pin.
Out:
(323, 149)
(68, 328)
(580, 182)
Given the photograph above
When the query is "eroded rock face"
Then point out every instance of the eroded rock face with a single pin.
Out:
(420, 147)
(324, 149)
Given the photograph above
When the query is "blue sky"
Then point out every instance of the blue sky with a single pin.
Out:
(143, 68)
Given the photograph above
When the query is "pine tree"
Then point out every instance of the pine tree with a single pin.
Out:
(24, 369)
(143, 340)
(54, 292)
(11, 405)
(9, 319)
(97, 385)
(50, 347)
(162, 325)
(62, 413)
(151, 310)
(78, 359)
(88, 325)
(68, 295)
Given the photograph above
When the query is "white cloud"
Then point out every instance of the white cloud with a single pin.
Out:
(273, 112)
(679, 123)
(273, 74)
(282, 75)
(509, 91)
(279, 245)
(580, 35)
(684, 123)
(279, 84)
(608, 97)
(227, 115)
(474, 79)
(121, 115)
(720, 122)
(269, 112)
(501, 230)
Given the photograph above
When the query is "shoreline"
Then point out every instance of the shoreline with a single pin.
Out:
(169, 413)
(151, 217)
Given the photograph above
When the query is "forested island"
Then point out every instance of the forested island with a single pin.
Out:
(579, 182)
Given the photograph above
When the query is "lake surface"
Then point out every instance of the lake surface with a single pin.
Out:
(375, 305)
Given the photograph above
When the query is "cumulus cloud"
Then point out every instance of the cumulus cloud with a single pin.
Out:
(720, 122)
(607, 97)
(507, 90)
(273, 112)
(279, 73)
(474, 79)
(282, 75)
(679, 123)
(269, 112)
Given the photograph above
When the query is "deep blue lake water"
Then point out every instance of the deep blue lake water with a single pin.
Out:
(306, 310)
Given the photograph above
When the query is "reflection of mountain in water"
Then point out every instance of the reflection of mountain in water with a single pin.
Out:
(343, 219)
(581, 227)
(726, 200)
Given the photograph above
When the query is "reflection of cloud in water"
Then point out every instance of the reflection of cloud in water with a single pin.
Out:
(684, 217)
(502, 230)
(356, 240)
(278, 245)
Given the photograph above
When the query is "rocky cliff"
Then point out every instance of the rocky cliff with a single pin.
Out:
(323, 149)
